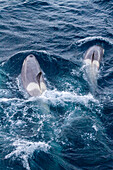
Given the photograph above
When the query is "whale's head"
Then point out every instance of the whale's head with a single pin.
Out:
(94, 55)
(32, 76)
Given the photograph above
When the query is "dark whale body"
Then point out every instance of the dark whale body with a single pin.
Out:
(32, 77)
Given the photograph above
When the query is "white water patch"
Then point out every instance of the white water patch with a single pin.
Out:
(8, 99)
(95, 127)
(24, 150)
(88, 137)
(87, 39)
(61, 96)
(55, 97)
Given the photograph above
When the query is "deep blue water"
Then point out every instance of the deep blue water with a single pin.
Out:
(68, 127)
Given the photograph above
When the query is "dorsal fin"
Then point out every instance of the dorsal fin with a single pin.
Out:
(92, 57)
(38, 77)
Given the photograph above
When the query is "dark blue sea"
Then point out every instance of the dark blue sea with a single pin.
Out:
(69, 127)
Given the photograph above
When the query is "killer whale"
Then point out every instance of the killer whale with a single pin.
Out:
(32, 76)
(94, 55)
(92, 59)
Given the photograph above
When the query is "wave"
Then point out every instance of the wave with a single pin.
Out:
(24, 150)
(88, 39)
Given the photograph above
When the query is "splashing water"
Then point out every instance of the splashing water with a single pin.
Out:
(24, 150)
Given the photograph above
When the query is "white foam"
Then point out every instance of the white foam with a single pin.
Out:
(88, 137)
(8, 99)
(95, 127)
(24, 149)
(19, 122)
(87, 39)
(61, 97)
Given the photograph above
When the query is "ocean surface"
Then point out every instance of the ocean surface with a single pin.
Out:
(69, 127)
